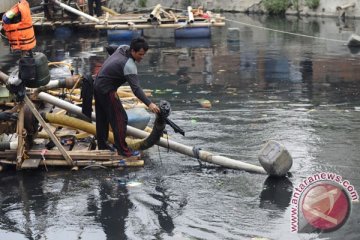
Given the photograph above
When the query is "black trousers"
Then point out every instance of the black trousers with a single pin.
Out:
(109, 109)
(97, 7)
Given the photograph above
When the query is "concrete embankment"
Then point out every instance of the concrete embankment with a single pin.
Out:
(326, 8)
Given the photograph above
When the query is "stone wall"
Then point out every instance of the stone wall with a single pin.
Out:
(326, 8)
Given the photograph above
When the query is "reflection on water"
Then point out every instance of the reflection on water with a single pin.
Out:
(303, 92)
(276, 193)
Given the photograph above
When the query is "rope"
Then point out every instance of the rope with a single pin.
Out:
(43, 152)
(285, 32)
(196, 152)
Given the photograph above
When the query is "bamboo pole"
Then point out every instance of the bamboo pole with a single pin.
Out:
(112, 12)
(166, 143)
(167, 25)
(173, 16)
(190, 15)
(48, 130)
(166, 14)
(21, 140)
(155, 11)
(76, 155)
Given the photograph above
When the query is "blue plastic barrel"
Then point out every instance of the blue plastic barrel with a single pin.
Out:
(63, 33)
(193, 32)
(138, 118)
(193, 43)
(120, 34)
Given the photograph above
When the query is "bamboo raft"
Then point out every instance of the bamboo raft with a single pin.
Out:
(32, 152)
(274, 158)
(158, 18)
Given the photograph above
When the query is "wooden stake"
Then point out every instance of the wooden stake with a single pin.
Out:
(48, 130)
(190, 14)
(155, 10)
(21, 140)
(173, 16)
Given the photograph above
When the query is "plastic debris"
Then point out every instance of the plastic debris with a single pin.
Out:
(204, 103)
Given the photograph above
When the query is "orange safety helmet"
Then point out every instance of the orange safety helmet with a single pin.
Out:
(21, 35)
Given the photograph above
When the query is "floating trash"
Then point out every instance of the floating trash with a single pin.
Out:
(204, 103)
(127, 182)
(133, 184)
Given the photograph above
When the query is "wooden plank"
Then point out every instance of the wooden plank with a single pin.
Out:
(117, 163)
(48, 130)
(31, 163)
(21, 141)
(151, 26)
(98, 155)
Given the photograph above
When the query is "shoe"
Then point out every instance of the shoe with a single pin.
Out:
(131, 153)
(135, 153)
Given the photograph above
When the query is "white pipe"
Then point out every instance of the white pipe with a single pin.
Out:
(166, 143)
(8, 145)
(63, 104)
(190, 14)
(73, 10)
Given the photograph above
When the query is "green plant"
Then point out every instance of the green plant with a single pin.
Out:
(142, 3)
(312, 4)
(276, 7)
(296, 4)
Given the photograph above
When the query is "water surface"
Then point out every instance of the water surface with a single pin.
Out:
(302, 92)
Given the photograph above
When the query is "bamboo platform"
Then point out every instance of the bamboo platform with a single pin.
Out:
(82, 158)
(34, 152)
(158, 18)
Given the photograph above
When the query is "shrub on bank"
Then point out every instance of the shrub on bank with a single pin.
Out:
(312, 4)
(276, 7)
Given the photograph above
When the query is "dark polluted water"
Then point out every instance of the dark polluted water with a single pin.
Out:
(302, 92)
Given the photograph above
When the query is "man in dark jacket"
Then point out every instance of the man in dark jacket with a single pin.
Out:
(118, 69)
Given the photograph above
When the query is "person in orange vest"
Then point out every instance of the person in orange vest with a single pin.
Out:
(17, 24)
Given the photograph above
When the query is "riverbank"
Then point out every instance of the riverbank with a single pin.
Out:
(328, 8)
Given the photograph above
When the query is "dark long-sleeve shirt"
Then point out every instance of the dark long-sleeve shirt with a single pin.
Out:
(118, 69)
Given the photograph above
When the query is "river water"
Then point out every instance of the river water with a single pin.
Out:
(302, 92)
